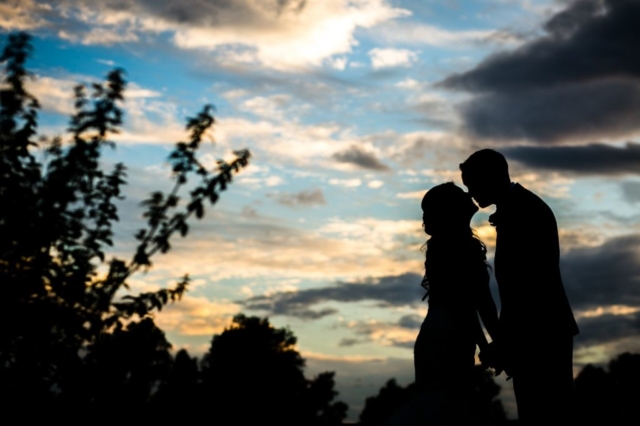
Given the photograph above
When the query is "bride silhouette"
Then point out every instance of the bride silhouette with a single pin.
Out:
(457, 287)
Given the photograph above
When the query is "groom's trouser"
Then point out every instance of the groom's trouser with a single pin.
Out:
(543, 384)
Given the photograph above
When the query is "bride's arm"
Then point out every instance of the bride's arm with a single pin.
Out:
(481, 339)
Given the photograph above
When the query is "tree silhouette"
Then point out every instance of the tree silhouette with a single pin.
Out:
(486, 407)
(60, 298)
(181, 386)
(254, 375)
(610, 395)
(594, 394)
(123, 368)
(378, 409)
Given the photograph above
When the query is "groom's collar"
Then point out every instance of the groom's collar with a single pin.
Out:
(512, 187)
(494, 219)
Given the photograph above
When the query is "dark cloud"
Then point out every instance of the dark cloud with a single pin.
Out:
(400, 290)
(607, 328)
(582, 79)
(348, 342)
(602, 109)
(208, 13)
(568, 21)
(361, 158)
(631, 191)
(367, 329)
(601, 45)
(595, 158)
(411, 321)
(309, 197)
(604, 275)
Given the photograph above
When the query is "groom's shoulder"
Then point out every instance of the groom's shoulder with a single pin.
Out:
(527, 200)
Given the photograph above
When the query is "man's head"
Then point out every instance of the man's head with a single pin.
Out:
(486, 175)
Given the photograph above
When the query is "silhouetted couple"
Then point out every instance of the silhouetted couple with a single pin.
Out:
(532, 339)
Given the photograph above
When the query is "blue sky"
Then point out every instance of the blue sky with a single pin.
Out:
(352, 109)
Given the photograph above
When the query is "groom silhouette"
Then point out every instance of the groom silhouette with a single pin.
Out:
(536, 326)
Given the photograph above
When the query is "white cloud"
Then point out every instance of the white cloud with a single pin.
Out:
(409, 83)
(281, 35)
(235, 94)
(274, 181)
(417, 195)
(375, 184)
(384, 58)
(271, 107)
(135, 91)
(102, 36)
(107, 62)
(337, 63)
(348, 183)
(54, 94)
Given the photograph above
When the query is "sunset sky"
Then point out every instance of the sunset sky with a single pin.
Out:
(352, 109)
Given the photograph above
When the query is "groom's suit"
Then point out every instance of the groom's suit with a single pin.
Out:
(536, 322)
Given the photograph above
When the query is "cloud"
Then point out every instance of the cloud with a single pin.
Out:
(607, 328)
(604, 275)
(600, 42)
(347, 183)
(413, 195)
(54, 94)
(631, 191)
(308, 197)
(100, 36)
(23, 14)
(375, 184)
(267, 251)
(271, 107)
(386, 58)
(580, 80)
(599, 109)
(196, 316)
(361, 158)
(401, 334)
(410, 84)
(590, 159)
(280, 34)
(385, 291)
(416, 33)
(411, 321)
(107, 62)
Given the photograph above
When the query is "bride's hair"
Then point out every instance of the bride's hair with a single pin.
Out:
(453, 246)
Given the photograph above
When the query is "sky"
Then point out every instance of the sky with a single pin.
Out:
(352, 110)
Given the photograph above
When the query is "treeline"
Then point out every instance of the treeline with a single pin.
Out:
(486, 405)
(251, 374)
(609, 394)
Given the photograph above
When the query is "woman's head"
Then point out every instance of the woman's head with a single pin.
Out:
(447, 209)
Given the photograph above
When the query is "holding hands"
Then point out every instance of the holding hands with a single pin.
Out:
(492, 356)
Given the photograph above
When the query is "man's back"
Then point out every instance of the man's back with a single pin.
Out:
(527, 269)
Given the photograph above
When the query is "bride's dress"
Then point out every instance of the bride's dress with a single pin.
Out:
(444, 353)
